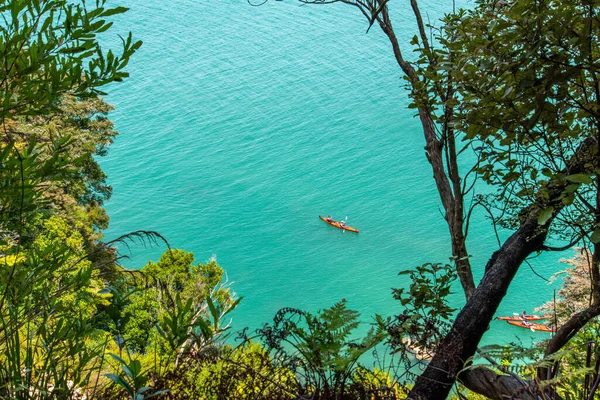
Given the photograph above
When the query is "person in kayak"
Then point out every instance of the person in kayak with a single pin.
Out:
(342, 223)
(523, 318)
(523, 315)
(329, 218)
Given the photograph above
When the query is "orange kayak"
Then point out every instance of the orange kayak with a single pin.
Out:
(533, 327)
(529, 318)
(338, 225)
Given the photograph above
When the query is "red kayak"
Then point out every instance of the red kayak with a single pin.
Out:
(338, 225)
(533, 327)
(528, 317)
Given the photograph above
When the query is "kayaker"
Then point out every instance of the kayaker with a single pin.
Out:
(342, 223)
(329, 218)
(523, 317)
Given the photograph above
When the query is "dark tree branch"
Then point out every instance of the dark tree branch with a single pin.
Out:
(459, 346)
(566, 333)
(498, 387)
(422, 33)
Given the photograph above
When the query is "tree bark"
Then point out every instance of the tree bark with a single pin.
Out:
(460, 255)
(498, 387)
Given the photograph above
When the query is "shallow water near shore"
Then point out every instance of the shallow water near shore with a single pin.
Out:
(240, 125)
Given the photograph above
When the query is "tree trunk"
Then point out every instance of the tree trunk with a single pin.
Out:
(452, 202)
(448, 182)
(460, 343)
(463, 266)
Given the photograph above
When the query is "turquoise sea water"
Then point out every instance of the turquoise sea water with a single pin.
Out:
(240, 125)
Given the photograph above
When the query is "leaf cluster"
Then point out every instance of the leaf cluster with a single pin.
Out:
(527, 78)
(319, 348)
(427, 315)
(50, 47)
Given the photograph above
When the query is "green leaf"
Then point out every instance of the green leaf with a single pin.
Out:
(507, 91)
(595, 238)
(157, 393)
(135, 367)
(119, 381)
(545, 215)
(113, 11)
(572, 188)
(212, 308)
(233, 306)
(579, 178)
(526, 83)
(127, 371)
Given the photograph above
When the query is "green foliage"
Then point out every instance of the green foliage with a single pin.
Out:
(427, 316)
(138, 319)
(50, 279)
(84, 295)
(24, 172)
(375, 385)
(173, 269)
(44, 357)
(320, 347)
(49, 295)
(579, 359)
(84, 124)
(186, 304)
(133, 379)
(51, 47)
(176, 325)
(528, 78)
(163, 324)
(245, 372)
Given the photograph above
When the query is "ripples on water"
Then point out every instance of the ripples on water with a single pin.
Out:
(240, 125)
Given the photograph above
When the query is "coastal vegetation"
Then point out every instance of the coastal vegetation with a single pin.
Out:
(508, 96)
